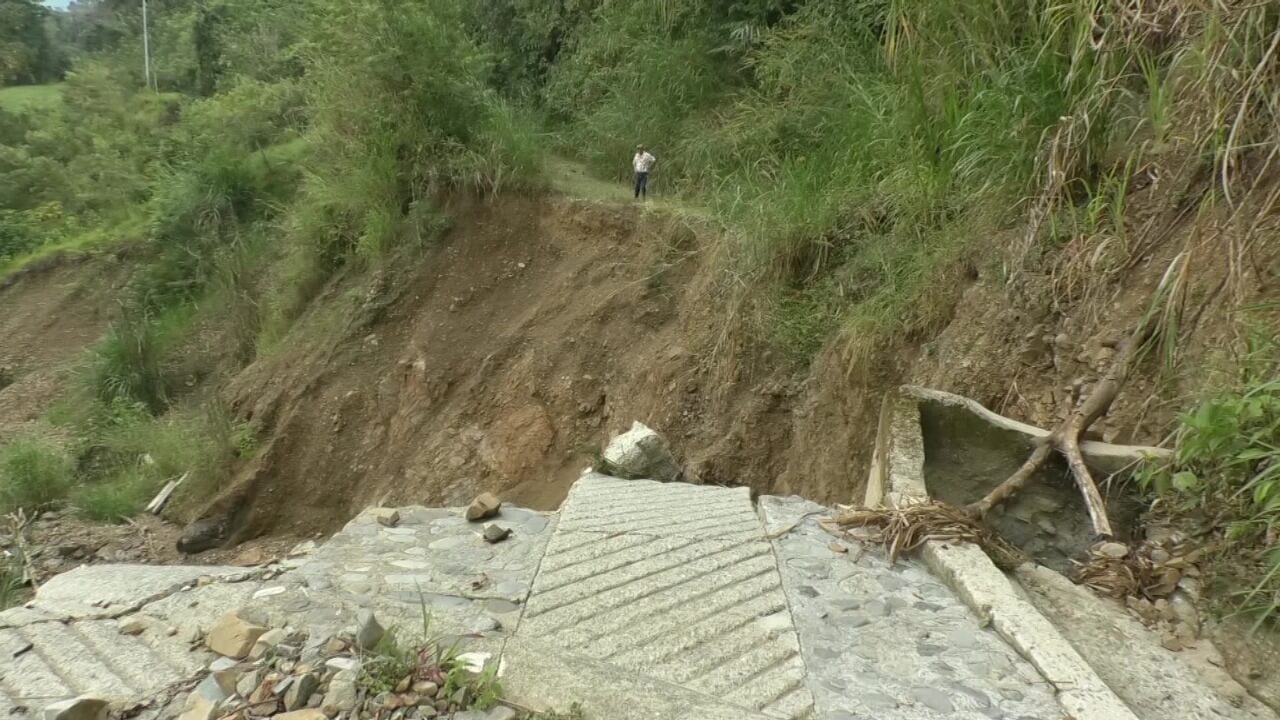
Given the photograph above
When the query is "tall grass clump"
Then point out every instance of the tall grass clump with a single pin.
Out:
(401, 113)
(872, 150)
(33, 475)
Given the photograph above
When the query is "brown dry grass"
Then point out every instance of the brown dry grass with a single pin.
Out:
(902, 530)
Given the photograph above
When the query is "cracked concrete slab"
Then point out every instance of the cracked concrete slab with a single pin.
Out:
(671, 584)
(889, 641)
(69, 641)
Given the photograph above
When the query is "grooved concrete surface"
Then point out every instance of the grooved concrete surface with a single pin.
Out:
(675, 583)
(68, 642)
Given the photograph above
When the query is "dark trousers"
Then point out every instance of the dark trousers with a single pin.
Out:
(642, 184)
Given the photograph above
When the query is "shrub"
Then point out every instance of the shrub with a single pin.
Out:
(33, 475)
(1225, 475)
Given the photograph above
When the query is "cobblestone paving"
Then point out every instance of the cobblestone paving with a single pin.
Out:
(433, 562)
(891, 642)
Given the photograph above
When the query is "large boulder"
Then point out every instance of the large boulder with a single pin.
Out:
(640, 453)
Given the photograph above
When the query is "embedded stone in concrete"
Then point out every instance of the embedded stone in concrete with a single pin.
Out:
(968, 571)
(889, 641)
(433, 560)
(111, 590)
(675, 584)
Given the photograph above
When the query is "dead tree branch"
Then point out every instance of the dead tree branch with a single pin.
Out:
(1065, 438)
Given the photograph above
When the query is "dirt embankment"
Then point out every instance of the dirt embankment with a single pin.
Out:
(502, 358)
(47, 318)
(506, 356)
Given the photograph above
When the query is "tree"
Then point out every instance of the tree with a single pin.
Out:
(28, 54)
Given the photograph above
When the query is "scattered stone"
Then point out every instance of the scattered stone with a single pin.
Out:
(335, 646)
(484, 625)
(640, 453)
(342, 695)
(1114, 550)
(343, 663)
(386, 517)
(85, 707)
(483, 507)
(493, 533)
(501, 712)
(133, 626)
(307, 714)
(1160, 556)
(233, 636)
(368, 632)
(199, 707)
(300, 691)
(267, 642)
(249, 682)
(840, 548)
(426, 688)
(306, 547)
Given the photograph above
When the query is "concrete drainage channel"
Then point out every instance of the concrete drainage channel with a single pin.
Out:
(639, 599)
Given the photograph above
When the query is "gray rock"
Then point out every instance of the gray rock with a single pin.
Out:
(300, 691)
(1114, 549)
(85, 707)
(342, 695)
(267, 642)
(368, 630)
(386, 517)
(640, 453)
(249, 682)
(483, 507)
(494, 533)
(501, 712)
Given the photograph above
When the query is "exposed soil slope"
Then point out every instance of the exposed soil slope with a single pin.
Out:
(501, 361)
(47, 318)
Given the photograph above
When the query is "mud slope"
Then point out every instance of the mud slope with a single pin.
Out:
(47, 318)
(502, 360)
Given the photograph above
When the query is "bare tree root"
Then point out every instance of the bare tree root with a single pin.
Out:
(1065, 438)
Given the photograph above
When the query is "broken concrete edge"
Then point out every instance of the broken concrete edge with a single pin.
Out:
(58, 601)
(897, 479)
(1107, 457)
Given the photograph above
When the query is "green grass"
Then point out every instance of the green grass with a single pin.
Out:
(33, 475)
(30, 97)
(117, 499)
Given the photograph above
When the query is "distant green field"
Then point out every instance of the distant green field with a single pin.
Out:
(29, 97)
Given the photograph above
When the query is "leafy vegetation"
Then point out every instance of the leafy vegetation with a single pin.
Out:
(399, 660)
(1223, 483)
(33, 475)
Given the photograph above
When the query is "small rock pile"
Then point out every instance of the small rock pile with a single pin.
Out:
(285, 674)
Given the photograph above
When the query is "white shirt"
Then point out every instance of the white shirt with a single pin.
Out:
(643, 162)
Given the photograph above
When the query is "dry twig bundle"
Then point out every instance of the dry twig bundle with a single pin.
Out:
(904, 529)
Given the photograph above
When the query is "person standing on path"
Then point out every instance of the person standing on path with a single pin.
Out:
(642, 162)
